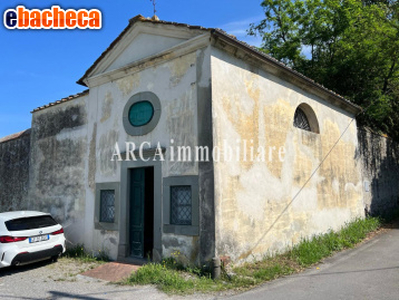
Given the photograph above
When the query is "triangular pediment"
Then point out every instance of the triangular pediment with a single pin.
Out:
(143, 45)
(141, 39)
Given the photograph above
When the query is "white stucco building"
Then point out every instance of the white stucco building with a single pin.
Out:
(169, 84)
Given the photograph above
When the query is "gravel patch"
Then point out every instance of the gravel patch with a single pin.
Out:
(62, 280)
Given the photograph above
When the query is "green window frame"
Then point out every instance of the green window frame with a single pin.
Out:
(141, 113)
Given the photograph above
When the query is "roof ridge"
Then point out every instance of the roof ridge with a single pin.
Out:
(288, 68)
(214, 31)
(14, 136)
(62, 100)
(132, 22)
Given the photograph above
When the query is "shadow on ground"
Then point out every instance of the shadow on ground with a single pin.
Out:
(15, 270)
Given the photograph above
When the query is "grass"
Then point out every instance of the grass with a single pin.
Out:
(172, 281)
(171, 277)
(79, 253)
(310, 251)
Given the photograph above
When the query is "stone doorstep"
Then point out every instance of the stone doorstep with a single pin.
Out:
(111, 271)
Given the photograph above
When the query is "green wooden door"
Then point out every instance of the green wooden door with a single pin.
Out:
(137, 198)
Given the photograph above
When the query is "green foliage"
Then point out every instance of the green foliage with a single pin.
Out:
(173, 281)
(310, 251)
(79, 252)
(272, 272)
(349, 46)
(172, 277)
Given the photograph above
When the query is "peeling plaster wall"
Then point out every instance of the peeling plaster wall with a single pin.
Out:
(14, 173)
(246, 208)
(380, 160)
(58, 171)
(254, 210)
(139, 49)
(175, 83)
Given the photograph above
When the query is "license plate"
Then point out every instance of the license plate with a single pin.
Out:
(39, 238)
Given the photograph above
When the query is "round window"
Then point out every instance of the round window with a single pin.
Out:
(141, 113)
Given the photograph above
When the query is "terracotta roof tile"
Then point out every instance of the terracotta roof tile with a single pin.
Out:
(132, 21)
(69, 98)
(215, 31)
(14, 136)
(279, 63)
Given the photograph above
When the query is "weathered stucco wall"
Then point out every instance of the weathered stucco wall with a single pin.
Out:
(14, 172)
(175, 83)
(75, 141)
(380, 160)
(58, 171)
(247, 206)
(255, 210)
(138, 48)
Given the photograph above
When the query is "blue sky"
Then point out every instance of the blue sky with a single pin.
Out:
(41, 66)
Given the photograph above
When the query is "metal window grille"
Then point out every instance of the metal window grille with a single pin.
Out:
(301, 120)
(107, 208)
(181, 207)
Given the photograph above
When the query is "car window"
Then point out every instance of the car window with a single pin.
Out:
(30, 223)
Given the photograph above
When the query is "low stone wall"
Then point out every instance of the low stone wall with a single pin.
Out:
(380, 170)
(14, 171)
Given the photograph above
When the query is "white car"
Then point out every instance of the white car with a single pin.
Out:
(29, 236)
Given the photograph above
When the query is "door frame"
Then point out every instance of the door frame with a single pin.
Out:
(124, 211)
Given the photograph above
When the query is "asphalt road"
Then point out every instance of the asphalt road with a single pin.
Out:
(370, 271)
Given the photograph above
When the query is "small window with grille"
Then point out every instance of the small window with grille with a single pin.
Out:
(301, 120)
(306, 119)
(181, 205)
(107, 206)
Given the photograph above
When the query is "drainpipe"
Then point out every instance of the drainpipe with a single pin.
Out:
(215, 268)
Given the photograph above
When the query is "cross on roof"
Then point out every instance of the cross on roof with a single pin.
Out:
(154, 3)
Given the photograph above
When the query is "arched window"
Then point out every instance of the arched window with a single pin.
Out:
(305, 118)
(301, 120)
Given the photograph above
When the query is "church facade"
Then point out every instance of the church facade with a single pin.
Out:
(189, 140)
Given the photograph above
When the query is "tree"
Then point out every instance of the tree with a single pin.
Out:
(349, 46)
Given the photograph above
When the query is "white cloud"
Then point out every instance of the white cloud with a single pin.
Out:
(239, 29)
(242, 23)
